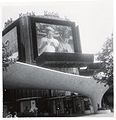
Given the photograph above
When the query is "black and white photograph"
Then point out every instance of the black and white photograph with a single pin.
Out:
(57, 59)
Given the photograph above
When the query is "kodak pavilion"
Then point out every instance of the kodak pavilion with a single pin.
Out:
(47, 79)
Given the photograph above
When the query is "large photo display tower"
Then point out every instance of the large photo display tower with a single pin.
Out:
(45, 42)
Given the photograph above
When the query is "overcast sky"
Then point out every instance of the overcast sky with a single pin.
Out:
(94, 17)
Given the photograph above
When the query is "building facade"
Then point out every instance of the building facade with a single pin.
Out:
(50, 43)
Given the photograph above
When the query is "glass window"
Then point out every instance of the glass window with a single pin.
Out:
(54, 38)
(10, 43)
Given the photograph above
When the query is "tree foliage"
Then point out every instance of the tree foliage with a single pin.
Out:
(106, 57)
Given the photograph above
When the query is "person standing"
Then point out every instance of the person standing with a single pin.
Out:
(48, 43)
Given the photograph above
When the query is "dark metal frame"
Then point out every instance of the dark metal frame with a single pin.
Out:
(34, 20)
(60, 60)
(27, 42)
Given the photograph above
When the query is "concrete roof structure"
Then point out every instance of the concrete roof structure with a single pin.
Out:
(22, 75)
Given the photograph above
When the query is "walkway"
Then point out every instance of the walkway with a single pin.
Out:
(103, 113)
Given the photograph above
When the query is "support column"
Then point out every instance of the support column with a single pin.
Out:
(94, 105)
(96, 100)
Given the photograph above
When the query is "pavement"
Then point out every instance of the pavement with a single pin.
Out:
(102, 113)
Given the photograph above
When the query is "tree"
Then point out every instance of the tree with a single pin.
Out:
(106, 58)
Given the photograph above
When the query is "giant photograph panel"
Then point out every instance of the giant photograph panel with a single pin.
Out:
(54, 38)
(10, 44)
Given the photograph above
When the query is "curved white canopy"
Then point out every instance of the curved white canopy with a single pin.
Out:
(22, 75)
